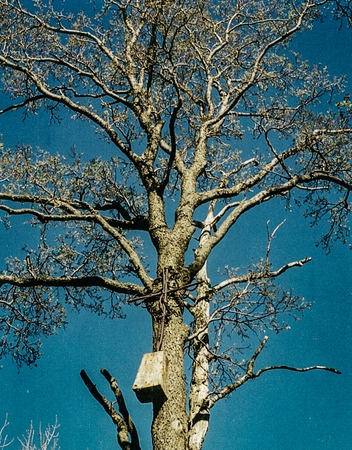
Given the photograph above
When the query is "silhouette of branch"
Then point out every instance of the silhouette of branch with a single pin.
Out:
(250, 374)
(71, 281)
(122, 420)
(122, 408)
(260, 275)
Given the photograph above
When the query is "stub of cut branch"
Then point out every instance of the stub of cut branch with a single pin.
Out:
(123, 422)
(122, 408)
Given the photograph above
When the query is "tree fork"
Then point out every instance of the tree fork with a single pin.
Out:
(127, 435)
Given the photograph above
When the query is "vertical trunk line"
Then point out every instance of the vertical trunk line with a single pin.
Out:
(199, 411)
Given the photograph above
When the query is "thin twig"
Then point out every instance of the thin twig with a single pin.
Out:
(251, 374)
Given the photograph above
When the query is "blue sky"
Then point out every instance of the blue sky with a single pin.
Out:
(281, 410)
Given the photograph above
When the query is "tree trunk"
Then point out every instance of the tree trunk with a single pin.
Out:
(199, 411)
(170, 422)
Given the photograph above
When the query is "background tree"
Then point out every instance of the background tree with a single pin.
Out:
(48, 440)
(212, 113)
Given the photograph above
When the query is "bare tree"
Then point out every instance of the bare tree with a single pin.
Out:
(48, 440)
(4, 438)
(211, 114)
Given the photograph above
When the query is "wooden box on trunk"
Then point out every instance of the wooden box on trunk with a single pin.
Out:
(150, 382)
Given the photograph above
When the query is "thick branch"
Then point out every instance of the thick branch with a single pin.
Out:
(123, 409)
(127, 247)
(122, 429)
(47, 93)
(251, 181)
(138, 223)
(22, 104)
(85, 281)
(261, 197)
(73, 32)
(74, 210)
(227, 107)
(223, 193)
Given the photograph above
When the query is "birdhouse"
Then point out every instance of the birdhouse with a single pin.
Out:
(150, 382)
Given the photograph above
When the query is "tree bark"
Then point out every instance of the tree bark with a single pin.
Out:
(170, 421)
(199, 411)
